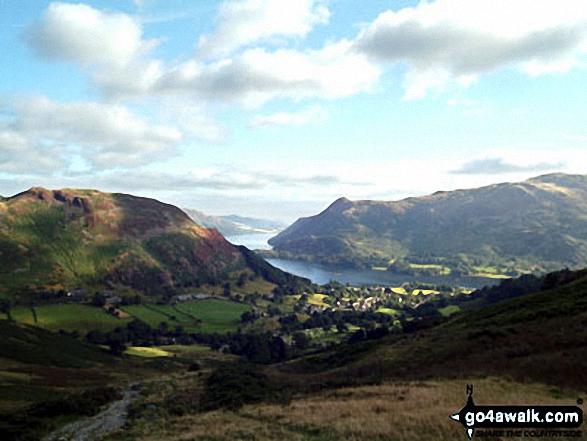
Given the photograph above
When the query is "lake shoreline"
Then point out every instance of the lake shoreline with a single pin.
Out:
(323, 273)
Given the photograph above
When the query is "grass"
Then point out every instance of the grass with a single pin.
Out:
(425, 292)
(318, 300)
(389, 411)
(259, 285)
(197, 352)
(147, 352)
(147, 314)
(449, 310)
(216, 315)
(81, 318)
(30, 345)
(443, 270)
(389, 311)
(489, 272)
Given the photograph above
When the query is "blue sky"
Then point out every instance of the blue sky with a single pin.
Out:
(274, 109)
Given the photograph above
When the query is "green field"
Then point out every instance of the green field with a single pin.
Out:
(140, 351)
(444, 270)
(489, 272)
(449, 310)
(318, 300)
(215, 315)
(425, 292)
(81, 318)
(389, 311)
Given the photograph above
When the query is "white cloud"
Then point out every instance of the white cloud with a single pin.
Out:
(80, 33)
(193, 120)
(122, 69)
(456, 40)
(311, 114)
(244, 22)
(104, 135)
(225, 181)
(257, 76)
(497, 166)
(18, 154)
(252, 78)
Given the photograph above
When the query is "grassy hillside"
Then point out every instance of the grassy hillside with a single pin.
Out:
(538, 337)
(71, 239)
(407, 411)
(72, 317)
(539, 223)
(31, 345)
(528, 350)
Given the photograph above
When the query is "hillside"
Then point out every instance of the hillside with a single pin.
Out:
(528, 350)
(34, 346)
(540, 223)
(234, 225)
(71, 239)
(537, 337)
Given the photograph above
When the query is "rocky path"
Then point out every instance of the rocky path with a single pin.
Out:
(105, 422)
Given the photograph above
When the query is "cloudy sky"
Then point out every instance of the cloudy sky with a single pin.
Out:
(275, 108)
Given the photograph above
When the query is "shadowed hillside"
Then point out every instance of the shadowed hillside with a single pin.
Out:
(540, 223)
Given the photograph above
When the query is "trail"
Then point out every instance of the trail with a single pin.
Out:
(89, 429)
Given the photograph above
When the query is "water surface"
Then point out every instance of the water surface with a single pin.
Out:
(321, 274)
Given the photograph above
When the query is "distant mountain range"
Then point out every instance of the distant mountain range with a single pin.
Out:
(85, 239)
(234, 225)
(537, 224)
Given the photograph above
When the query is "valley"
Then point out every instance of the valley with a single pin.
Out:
(105, 291)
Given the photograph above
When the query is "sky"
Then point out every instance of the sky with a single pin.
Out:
(274, 109)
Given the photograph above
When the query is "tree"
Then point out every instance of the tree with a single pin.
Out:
(241, 280)
(163, 326)
(34, 311)
(301, 340)
(248, 317)
(5, 308)
(98, 300)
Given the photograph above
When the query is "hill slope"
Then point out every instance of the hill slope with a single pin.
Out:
(539, 337)
(67, 239)
(541, 221)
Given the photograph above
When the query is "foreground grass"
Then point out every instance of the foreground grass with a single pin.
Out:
(390, 411)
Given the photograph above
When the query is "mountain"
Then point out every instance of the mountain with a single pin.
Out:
(85, 239)
(540, 223)
(234, 225)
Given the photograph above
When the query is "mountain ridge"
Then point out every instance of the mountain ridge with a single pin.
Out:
(540, 221)
(86, 238)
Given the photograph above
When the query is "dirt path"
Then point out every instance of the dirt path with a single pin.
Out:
(105, 422)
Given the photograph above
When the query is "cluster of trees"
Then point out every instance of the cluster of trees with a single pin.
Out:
(134, 333)
(255, 347)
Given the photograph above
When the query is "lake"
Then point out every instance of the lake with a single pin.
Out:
(321, 274)
(256, 241)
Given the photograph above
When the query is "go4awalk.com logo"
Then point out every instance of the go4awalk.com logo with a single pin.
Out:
(509, 421)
